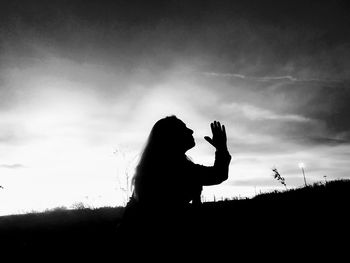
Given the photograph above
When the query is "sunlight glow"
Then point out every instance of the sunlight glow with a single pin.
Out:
(71, 144)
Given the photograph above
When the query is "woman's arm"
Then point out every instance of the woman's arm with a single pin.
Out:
(216, 174)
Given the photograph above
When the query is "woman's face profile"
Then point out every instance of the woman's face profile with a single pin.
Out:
(173, 135)
(185, 136)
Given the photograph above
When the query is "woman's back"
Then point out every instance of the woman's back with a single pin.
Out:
(175, 184)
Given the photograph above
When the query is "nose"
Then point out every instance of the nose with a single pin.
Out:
(191, 131)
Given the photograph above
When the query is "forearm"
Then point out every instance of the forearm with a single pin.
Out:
(216, 174)
(221, 164)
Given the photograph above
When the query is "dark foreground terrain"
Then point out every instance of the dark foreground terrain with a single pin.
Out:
(313, 218)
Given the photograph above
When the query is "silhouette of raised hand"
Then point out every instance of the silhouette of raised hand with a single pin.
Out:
(219, 140)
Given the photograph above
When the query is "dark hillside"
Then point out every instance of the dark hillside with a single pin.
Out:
(67, 230)
(313, 218)
(314, 215)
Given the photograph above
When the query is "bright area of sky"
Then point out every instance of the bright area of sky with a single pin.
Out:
(73, 121)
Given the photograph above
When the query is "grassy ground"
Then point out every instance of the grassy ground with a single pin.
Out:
(316, 215)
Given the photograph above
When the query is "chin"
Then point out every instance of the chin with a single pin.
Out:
(192, 144)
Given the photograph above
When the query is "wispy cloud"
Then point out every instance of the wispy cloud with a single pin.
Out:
(230, 75)
(326, 141)
(252, 112)
(270, 78)
(12, 166)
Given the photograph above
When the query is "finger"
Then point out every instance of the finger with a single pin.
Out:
(212, 128)
(208, 139)
(224, 131)
(216, 127)
(219, 126)
(222, 128)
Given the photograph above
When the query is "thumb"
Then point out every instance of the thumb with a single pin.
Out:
(208, 139)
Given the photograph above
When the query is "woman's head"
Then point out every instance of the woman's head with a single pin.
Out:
(170, 135)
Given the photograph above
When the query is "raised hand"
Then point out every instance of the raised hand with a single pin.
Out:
(219, 140)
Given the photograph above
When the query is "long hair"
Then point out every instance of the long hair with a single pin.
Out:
(161, 153)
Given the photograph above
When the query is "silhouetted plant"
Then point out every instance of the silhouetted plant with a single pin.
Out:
(278, 177)
(126, 162)
(78, 206)
(56, 209)
(325, 179)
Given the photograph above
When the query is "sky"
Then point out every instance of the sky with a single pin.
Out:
(83, 82)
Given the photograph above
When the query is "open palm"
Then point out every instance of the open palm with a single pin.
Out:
(219, 139)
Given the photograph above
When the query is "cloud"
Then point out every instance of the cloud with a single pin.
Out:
(231, 75)
(6, 137)
(12, 130)
(254, 113)
(277, 79)
(227, 37)
(299, 111)
(12, 166)
(241, 76)
(324, 102)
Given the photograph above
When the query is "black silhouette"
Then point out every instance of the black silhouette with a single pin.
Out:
(167, 184)
(276, 221)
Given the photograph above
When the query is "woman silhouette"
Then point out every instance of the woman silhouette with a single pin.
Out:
(166, 176)
(166, 181)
